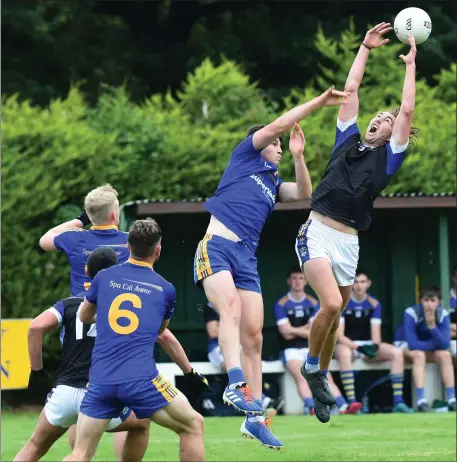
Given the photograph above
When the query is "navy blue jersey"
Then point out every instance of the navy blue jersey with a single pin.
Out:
(78, 244)
(132, 302)
(417, 333)
(298, 313)
(359, 316)
(247, 192)
(77, 343)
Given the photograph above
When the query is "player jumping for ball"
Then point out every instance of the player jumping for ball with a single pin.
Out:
(225, 260)
(327, 244)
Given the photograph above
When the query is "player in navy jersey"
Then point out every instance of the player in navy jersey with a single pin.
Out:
(293, 314)
(101, 208)
(360, 336)
(64, 401)
(131, 305)
(453, 313)
(341, 206)
(225, 261)
(425, 336)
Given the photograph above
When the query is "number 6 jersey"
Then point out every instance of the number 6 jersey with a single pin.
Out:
(132, 302)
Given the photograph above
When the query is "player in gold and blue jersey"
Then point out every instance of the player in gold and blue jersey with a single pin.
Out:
(101, 209)
(132, 305)
(225, 261)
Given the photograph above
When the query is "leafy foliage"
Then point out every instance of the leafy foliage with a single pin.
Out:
(168, 147)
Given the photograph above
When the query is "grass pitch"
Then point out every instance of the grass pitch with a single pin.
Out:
(388, 437)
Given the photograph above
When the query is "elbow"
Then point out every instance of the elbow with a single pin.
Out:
(164, 337)
(351, 86)
(407, 110)
(85, 317)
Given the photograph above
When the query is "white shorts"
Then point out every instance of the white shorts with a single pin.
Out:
(453, 347)
(291, 354)
(402, 344)
(316, 240)
(63, 404)
(215, 358)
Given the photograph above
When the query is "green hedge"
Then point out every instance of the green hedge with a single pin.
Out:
(176, 146)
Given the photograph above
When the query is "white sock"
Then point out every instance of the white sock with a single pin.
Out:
(255, 418)
(312, 367)
(451, 401)
(234, 385)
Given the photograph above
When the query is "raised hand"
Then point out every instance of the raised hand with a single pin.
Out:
(297, 141)
(410, 58)
(333, 97)
(373, 38)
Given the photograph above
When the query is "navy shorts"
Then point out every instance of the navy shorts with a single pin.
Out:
(144, 397)
(215, 253)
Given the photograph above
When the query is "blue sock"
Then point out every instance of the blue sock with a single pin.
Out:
(450, 394)
(420, 394)
(236, 376)
(324, 371)
(397, 387)
(312, 363)
(309, 402)
(340, 401)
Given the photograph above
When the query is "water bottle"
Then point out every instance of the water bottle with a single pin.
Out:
(365, 405)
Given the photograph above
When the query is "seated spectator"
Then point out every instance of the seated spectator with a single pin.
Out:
(211, 318)
(425, 336)
(453, 314)
(359, 335)
(293, 313)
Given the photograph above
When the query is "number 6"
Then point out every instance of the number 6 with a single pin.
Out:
(115, 312)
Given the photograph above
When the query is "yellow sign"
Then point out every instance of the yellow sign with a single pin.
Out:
(15, 363)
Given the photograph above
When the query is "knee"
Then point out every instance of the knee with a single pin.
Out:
(332, 305)
(252, 342)
(418, 357)
(397, 355)
(196, 425)
(443, 356)
(343, 353)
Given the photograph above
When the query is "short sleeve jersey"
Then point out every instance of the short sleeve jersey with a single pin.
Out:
(358, 317)
(78, 245)
(247, 192)
(132, 302)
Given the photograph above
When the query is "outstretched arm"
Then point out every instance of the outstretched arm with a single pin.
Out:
(302, 188)
(402, 126)
(42, 324)
(266, 135)
(372, 40)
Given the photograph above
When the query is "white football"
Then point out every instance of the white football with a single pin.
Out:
(413, 21)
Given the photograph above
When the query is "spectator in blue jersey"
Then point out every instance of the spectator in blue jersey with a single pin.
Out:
(132, 305)
(359, 169)
(293, 313)
(225, 261)
(453, 313)
(211, 318)
(101, 209)
(425, 335)
(360, 336)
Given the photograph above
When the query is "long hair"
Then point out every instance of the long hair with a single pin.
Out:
(414, 132)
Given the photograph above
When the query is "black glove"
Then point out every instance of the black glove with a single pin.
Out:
(39, 380)
(197, 381)
(370, 351)
(84, 218)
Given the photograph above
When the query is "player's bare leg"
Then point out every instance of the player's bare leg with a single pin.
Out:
(131, 439)
(44, 436)
(180, 417)
(221, 292)
(294, 366)
(88, 434)
(251, 339)
(72, 436)
(252, 314)
(320, 277)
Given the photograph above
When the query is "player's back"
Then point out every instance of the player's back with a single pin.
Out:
(77, 343)
(79, 244)
(132, 302)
